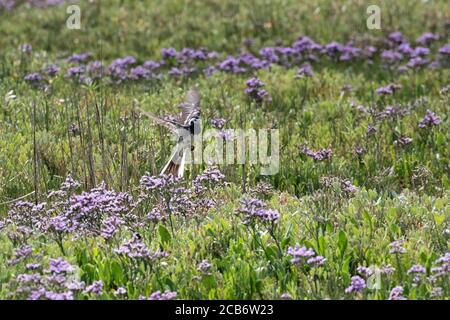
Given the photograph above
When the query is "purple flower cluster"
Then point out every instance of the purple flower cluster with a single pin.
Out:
(255, 210)
(403, 141)
(397, 294)
(95, 288)
(319, 155)
(21, 254)
(204, 267)
(254, 90)
(168, 295)
(301, 254)
(430, 120)
(442, 269)
(218, 123)
(396, 53)
(389, 89)
(396, 247)
(97, 212)
(134, 248)
(304, 71)
(211, 177)
(368, 271)
(55, 283)
(10, 5)
(357, 285)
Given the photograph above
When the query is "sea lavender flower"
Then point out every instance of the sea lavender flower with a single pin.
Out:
(298, 253)
(95, 69)
(396, 294)
(430, 120)
(168, 295)
(75, 285)
(231, 64)
(316, 261)
(387, 269)
(69, 184)
(204, 267)
(110, 227)
(210, 70)
(218, 123)
(50, 295)
(405, 48)
(211, 176)
(176, 72)
(95, 288)
(255, 210)
(52, 70)
(444, 259)
(417, 268)
(134, 248)
(151, 65)
(27, 217)
(139, 72)
(59, 266)
(396, 247)
(365, 271)
(121, 291)
(396, 37)
(445, 50)
(333, 49)
(389, 89)
(79, 57)
(391, 56)
(320, 155)
(286, 296)
(25, 48)
(371, 129)
(357, 285)
(254, 90)
(158, 255)
(420, 51)
(437, 292)
(168, 53)
(359, 151)
(23, 252)
(304, 71)
(269, 54)
(33, 266)
(61, 224)
(156, 215)
(403, 141)
(150, 183)
(348, 187)
(417, 62)
(384, 91)
(33, 77)
(74, 72)
(427, 38)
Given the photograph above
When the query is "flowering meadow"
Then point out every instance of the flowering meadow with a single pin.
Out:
(360, 206)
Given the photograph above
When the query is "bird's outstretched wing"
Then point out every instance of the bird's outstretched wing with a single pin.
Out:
(165, 123)
(190, 107)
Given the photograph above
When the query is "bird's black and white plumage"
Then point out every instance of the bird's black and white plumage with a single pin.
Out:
(184, 126)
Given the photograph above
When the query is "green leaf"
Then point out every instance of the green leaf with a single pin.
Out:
(321, 245)
(116, 272)
(439, 219)
(164, 234)
(272, 252)
(342, 242)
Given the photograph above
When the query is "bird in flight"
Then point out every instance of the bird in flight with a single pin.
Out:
(184, 126)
